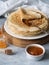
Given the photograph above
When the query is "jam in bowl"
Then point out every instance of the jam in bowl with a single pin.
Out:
(35, 51)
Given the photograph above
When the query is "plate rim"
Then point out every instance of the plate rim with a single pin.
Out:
(22, 37)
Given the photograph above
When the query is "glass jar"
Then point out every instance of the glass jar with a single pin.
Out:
(3, 42)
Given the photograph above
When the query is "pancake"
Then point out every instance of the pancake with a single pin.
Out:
(27, 22)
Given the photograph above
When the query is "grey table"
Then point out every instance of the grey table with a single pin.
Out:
(19, 58)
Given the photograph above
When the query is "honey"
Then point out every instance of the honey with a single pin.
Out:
(3, 44)
(1, 34)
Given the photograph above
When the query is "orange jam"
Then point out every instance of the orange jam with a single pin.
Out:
(34, 50)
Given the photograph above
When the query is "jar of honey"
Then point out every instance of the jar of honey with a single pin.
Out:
(3, 43)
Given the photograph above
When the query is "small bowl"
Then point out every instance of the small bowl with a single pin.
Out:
(35, 57)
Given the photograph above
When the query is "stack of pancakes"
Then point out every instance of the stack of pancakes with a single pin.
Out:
(27, 22)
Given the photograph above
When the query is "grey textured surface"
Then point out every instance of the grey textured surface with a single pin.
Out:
(19, 58)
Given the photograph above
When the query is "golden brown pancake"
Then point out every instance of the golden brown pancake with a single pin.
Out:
(27, 22)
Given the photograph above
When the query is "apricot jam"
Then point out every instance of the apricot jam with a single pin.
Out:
(34, 50)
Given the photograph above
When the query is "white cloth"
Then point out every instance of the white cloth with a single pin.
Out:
(2, 7)
(22, 3)
(19, 3)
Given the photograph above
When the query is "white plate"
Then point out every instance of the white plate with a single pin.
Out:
(22, 37)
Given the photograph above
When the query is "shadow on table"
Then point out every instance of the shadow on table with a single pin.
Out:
(46, 57)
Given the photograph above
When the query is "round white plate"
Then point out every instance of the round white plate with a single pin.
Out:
(22, 37)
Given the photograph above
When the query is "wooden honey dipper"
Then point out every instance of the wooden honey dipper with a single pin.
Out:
(7, 51)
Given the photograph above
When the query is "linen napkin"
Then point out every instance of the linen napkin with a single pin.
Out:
(22, 3)
(5, 5)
